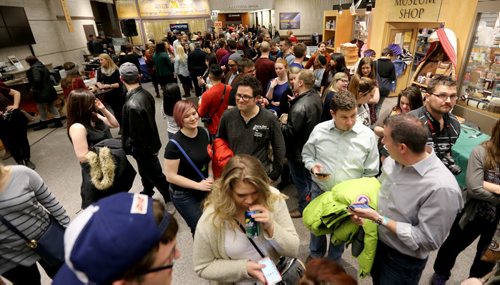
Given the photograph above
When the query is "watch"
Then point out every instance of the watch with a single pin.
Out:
(382, 220)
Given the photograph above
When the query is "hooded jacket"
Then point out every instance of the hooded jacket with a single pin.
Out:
(327, 214)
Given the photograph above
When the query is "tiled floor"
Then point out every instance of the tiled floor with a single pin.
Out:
(58, 166)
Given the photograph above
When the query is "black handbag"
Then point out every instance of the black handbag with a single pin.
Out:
(50, 246)
(290, 268)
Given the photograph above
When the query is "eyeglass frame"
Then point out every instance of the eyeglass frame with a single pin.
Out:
(245, 98)
(441, 97)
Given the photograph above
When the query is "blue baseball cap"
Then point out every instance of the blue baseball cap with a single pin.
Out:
(108, 238)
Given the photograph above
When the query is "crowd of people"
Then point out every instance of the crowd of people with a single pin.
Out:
(272, 116)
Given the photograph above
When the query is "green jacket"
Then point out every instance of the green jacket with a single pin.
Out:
(163, 65)
(327, 214)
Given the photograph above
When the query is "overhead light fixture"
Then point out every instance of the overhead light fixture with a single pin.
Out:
(352, 9)
(340, 7)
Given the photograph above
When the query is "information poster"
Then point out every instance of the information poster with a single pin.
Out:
(173, 8)
(290, 21)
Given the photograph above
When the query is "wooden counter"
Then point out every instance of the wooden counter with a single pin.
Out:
(484, 119)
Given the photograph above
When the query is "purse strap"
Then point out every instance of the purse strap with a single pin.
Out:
(221, 100)
(188, 159)
(251, 240)
(14, 229)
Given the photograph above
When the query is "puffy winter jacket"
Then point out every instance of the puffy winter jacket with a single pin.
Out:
(327, 214)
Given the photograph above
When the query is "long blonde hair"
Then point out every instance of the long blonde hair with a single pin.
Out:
(240, 168)
(180, 53)
(110, 65)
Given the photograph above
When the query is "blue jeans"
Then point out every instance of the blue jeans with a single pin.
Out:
(392, 267)
(189, 205)
(301, 177)
(42, 112)
(317, 244)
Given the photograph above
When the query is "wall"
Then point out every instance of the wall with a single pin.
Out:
(311, 14)
(54, 43)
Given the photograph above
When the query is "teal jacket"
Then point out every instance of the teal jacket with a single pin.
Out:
(163, 65)
(327, 214)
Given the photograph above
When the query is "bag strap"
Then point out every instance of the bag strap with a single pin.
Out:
(251, 240)
(188, 159)
(221, 100)
(14, 229)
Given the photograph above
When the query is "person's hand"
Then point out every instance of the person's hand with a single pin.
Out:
(366, 213)
(223, 68)
(254, 269)
(205, 185)
(274, 82)
(319, 172)
(357, 220)
(99, 85)
(201, 81)
(10, 108)
(263, 216)
(99, 105)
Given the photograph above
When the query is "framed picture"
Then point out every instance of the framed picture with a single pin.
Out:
(290, 21)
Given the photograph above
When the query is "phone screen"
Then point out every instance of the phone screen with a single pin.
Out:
(358, 206)
(270, 271)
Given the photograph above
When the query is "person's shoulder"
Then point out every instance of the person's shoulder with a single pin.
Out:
(418, 113)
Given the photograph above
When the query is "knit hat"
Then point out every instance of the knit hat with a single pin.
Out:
(129, 72)
(102, 242)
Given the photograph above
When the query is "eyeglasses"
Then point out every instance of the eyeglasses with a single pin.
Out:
(165, 267)
(231, 65)
(344, 80)
(444, 96)
(244, 97)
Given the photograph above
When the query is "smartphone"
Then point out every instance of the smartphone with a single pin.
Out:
(270, 271)
(319, 174)
(353, 207)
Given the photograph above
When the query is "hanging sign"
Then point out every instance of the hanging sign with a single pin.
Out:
(414, 10)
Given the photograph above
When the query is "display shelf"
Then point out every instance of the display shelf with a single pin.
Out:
(332, 20)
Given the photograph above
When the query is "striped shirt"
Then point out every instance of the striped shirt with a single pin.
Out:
(24, 202)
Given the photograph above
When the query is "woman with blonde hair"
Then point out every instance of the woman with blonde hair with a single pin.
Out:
(339, 82)
(181, 69)
(108, 87)
(222, 252)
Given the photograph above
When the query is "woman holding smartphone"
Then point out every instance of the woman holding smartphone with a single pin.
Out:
(222, 251)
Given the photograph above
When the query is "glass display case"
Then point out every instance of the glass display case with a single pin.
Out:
(481, 81)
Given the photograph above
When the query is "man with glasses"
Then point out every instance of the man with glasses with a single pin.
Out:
(102, 244)
(436, 115)
(250, 129)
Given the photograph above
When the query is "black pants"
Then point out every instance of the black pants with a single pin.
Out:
(459, 239)
(13, 133)
(194, 79)
(29, 274)
(152, 175)
(391, 267)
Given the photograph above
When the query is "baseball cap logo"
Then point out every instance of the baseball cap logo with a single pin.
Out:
(139, 204)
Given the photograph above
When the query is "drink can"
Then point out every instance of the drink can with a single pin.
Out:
(252, 227)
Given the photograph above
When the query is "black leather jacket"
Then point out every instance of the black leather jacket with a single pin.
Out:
(304, 114)
(139, 131)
